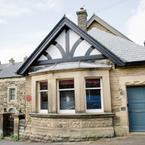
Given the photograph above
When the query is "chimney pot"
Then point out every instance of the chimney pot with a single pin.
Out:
(11, 61)
(82, 18)
(25, 58)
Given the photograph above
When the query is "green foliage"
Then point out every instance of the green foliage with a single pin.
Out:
(14, 137)
(1, 137)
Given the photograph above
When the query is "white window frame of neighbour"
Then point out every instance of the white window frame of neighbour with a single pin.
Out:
(101, 93)
(44, 111)
(15, 98)
(73, 89)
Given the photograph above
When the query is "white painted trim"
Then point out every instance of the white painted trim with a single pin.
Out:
(101, 90)
(43, 111)
(73, 38)
(58, 96)
(54, 52)
(82, 48)
(61, 40)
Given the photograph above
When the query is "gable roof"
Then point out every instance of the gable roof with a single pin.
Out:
(9, 70)
(126, 50)
(66, 23)
(106, 25)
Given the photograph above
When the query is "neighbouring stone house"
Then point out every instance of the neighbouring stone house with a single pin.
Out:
(82, 82)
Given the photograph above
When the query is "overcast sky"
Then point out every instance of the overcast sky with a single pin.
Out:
(25, 23)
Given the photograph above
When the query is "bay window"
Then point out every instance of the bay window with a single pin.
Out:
(66, 96)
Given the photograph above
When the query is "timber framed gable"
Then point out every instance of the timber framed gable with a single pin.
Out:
(64, 43)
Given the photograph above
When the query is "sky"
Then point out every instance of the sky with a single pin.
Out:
(25, 23)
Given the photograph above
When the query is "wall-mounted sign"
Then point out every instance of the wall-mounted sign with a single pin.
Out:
(29, 98)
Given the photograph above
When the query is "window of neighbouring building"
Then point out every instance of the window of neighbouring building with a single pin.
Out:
(12, 93)
(43, 96)
(93, 95)
(66, 96)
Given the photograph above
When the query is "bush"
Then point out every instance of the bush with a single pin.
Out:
(14, 137)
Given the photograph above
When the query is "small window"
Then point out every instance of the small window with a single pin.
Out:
(12, 94)
(93, 95)
(43, 96)
(66, 96)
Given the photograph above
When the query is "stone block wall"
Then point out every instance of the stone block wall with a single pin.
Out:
(120, 78)
(19, 103)
(68, 127)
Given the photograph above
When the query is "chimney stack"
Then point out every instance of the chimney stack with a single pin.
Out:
(11, 61)
(82, 18)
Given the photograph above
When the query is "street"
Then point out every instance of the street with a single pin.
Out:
(129, 140)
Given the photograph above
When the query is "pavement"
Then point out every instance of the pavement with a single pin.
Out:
(129, 140)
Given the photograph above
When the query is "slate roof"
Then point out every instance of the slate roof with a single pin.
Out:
(126, 50)
(9, 70)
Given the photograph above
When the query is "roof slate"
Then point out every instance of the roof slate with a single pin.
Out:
(9, 70)
(126, 50)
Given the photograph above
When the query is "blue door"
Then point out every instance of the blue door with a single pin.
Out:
(136, 108)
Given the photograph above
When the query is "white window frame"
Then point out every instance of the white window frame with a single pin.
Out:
(101, 93)
(58, 90)
(43, 111)
(8, 92)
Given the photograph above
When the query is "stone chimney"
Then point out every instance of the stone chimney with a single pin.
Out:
(11, 61)
(82, 18)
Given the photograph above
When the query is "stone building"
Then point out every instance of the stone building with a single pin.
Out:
(82, 82)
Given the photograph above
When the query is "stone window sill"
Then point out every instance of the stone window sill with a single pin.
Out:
(71, 116)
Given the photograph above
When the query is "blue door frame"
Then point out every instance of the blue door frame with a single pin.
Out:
(136, 108)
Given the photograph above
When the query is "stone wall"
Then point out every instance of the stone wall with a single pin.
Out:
(19, 103)
(99, 26)
(120, 78)
(68, 127)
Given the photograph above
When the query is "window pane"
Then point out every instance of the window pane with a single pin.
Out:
(65, 84)
(93, 98)
(67, 100)
(12, 93)
(44, 100)
(43, 85)
(92, 83)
